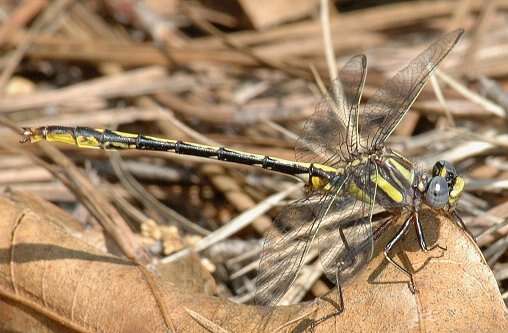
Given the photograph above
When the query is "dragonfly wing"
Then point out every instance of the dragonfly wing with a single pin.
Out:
(352, 77)
(285, 248)
(345, 237)
(387, 107)
(331, 132)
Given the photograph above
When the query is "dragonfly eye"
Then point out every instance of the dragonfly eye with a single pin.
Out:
(445, 169)
(437, 192)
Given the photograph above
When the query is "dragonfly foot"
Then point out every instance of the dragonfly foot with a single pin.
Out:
(339, 308)
(411, 285)
(430, 248)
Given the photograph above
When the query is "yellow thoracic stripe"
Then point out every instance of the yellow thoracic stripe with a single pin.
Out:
(388, 188)
(358, 193)
(384, 185)
(408, 174)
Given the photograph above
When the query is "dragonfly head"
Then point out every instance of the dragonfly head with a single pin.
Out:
(444, 187)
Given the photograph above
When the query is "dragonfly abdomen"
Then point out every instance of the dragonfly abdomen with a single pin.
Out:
(85, 137)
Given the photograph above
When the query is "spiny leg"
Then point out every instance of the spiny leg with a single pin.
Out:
(421, 236)
(347, 247)
(337, 280)
(400, 234)
(460, 223)
(340, 306)
(338, 310)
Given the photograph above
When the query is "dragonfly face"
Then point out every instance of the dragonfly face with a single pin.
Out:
(446, 184)
(437, 192)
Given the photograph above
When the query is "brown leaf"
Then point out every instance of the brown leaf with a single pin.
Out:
(456, 290)
(52, 282)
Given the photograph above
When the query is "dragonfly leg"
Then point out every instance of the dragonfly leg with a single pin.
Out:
(400, 234)
(460, 223)
(421, 236)
(340, 306)
(338, 309)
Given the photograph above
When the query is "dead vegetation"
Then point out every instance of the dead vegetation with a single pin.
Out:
(156, 242)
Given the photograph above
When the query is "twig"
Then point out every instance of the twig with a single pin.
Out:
(205, 322)
(472, 96)
(244, 50)
(487, 12)
(49, 15)
(137, 190)
(328, 48)
(238, 223)
(441, 99)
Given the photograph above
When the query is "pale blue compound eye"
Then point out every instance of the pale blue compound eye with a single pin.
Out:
(437, 192)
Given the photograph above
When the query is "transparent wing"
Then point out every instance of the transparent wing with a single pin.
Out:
(352, 77)
(331, 132)
(387, 107)
(345, 237)
(285, 248)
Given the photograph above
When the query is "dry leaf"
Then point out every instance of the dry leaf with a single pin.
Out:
(52, 282)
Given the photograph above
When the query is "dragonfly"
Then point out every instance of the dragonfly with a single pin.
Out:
(350, 171)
